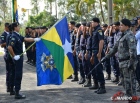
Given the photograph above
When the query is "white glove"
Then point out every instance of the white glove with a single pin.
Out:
(37, 39)
(16, 57)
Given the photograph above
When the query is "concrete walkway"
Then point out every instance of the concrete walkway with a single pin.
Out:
(68, 92)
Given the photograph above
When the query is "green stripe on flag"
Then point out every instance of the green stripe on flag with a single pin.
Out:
(58, 55)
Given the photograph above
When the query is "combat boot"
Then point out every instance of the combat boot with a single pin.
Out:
(8, 89)
(82, 81)
(94, 86)
(120, 83)
(101, 90)
(75, 78)
(12, 92)
(19, 96)
(116, 79)
(108, 77)
(87, 83)
(70, 77)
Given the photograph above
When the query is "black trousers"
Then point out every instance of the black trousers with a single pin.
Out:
(7, 70)
(18, 73)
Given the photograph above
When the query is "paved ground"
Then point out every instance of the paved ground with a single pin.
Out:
(68, 92)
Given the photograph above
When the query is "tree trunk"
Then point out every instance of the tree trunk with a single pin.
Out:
(56, 8)
(102, 11)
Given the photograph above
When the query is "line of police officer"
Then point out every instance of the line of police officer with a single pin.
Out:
(34, 33)
(87, 45)
(88, 40)
(12, 42)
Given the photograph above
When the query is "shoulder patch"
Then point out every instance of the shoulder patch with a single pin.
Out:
(100, 32)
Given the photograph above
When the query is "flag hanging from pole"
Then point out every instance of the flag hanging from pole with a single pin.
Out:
(54, 55)
(14, 11)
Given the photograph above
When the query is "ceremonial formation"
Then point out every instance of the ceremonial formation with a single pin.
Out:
(88, 53)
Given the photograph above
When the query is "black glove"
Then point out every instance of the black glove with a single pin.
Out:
(103, 59)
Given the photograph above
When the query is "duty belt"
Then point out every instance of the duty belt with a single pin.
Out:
(121, 60)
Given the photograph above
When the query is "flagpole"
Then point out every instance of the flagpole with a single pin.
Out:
(13, 16)
(47, 31)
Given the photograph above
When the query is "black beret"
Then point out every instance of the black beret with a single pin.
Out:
(88, 24)
(126, 22)
(84, 23)
(72, 22)
(117, 23)
(77, 25)
(105, 25)
(44, 27)
(96, 20)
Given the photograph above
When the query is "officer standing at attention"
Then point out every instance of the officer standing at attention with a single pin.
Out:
(10, 63)
(3, 45)
(97, 53)
(87, 56)
(73, 32)
(116, 37)
(126, 47)
(106, 64)
(16, 49)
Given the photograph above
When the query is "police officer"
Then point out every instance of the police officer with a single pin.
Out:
(15, 49)
(107, 65)
(126, 47)
(73, 31)
(117, 35)
(27, 44)
(138, 54)
(97, 53)
(3, 45)
(77, 50)
(113, 58)
(10, 63)
(88, 56)
(81, 57)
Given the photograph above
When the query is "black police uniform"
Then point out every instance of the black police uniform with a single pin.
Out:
(113, 60)
(73, 39)
(107, 62)
(98, 76)
(3, 40)
(79, 61)
(17, 44)
(87, 62)
(82, 52)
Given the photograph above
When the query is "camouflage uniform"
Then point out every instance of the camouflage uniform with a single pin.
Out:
(126, 47)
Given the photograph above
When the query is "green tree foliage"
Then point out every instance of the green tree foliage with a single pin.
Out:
(35, 4)
(42, 19)
(5, 13)
(125, 9)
